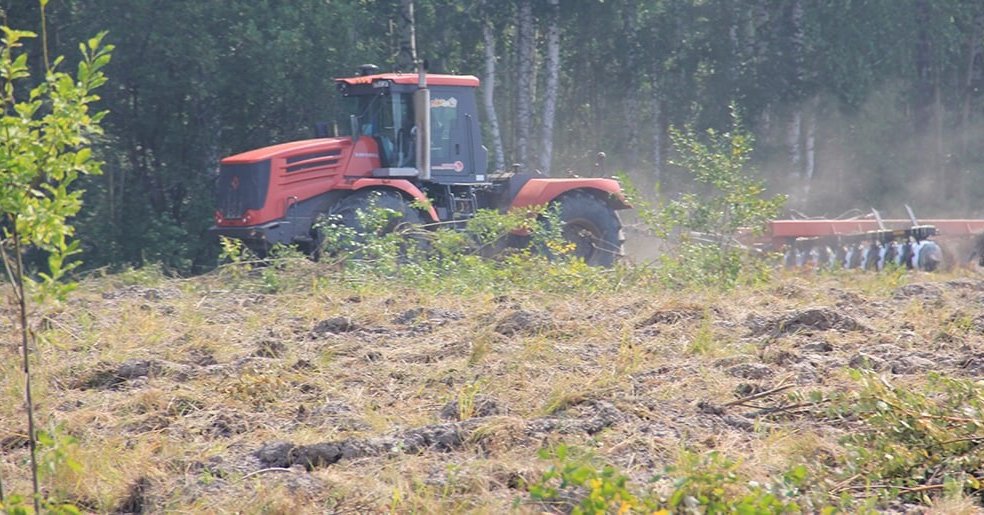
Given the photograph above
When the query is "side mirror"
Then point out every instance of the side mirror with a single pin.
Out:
(355, 127)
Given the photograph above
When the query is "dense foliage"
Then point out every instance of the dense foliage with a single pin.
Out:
(853, 104)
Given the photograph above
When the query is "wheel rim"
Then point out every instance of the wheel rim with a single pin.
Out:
(583, 234)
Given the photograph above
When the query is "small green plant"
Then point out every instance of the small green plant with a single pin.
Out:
(701, 483)
(548, 235)
(603, 489)
(56, 447)
(466, 400)
(236, 257)
(703, 340)
(713, 482)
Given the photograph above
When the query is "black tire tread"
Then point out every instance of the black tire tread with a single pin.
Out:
(587, 206)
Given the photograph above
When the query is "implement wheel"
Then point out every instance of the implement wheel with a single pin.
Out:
(592, 226)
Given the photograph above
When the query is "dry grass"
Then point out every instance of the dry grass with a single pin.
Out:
(229, 369)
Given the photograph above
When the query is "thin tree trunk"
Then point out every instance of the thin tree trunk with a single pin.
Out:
(25, 348)
(524, 89)
(809, 148)
(794, 131)
(488, 95)
(793, 136)
(924, 91)
(938, 150)
(798, 42)
(657, 133)
(973, 50)
(760, 20)
(407, 56)
(632, 105)
(550, 94)
(111, 190)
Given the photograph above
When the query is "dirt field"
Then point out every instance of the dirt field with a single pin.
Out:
(203, 395)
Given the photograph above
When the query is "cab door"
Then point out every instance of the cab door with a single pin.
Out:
(456, 152)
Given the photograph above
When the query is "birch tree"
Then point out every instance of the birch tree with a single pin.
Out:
(550, 91)
(488, 95)
(407, 57)
(794, 127)
(524, 84)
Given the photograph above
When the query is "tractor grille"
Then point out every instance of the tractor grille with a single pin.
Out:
(241, 187)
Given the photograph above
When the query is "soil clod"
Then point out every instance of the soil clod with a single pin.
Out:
(334, 325)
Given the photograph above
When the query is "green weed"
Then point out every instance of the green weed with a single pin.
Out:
(701, 483)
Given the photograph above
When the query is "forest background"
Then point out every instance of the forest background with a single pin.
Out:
(853, 103)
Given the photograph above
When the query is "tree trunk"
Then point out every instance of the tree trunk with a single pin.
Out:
(924, 101)
(488, 95)
(809, 148)
(798, 44)
(973, 50)
(633, 104)
(407, 57)
(550, 94)
(949, 189)
(793, 136)
(794, 131)
(524, 89)
(657, 133)
(758, 42)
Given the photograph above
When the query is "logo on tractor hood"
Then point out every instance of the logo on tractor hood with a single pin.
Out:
(234, 183)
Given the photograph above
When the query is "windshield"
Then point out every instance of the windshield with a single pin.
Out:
(389, 120)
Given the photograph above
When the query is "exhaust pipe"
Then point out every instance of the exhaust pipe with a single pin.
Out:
(421, 108)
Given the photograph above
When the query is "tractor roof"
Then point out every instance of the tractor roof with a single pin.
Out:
(411, 78)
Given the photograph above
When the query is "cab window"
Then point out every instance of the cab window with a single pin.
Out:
(444, 118)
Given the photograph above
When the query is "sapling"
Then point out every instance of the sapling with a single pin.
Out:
(46, 135)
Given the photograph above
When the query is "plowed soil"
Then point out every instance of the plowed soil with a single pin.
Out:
(209, 395)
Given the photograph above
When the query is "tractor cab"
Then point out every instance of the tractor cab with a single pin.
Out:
(382, 106)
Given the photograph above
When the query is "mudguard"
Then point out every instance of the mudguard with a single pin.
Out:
(403, 185)
(538, 192)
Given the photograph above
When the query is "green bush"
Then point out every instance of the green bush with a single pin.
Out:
(913, 443)
(474, 257)
(701, 483)
(706, 224)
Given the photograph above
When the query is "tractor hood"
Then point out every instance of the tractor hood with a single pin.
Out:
(299, 150)
(262, 185)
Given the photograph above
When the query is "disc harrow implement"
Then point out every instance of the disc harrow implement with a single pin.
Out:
(874, 243)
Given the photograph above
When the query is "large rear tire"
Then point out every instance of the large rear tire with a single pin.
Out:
(592, 226)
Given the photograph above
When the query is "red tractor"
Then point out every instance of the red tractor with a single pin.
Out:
(415, 148)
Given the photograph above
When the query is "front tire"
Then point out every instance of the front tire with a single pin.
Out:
(592, 226)
(364, 201)
(346, 213)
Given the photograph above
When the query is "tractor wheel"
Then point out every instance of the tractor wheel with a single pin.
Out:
(592, 226)
(347, 211)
